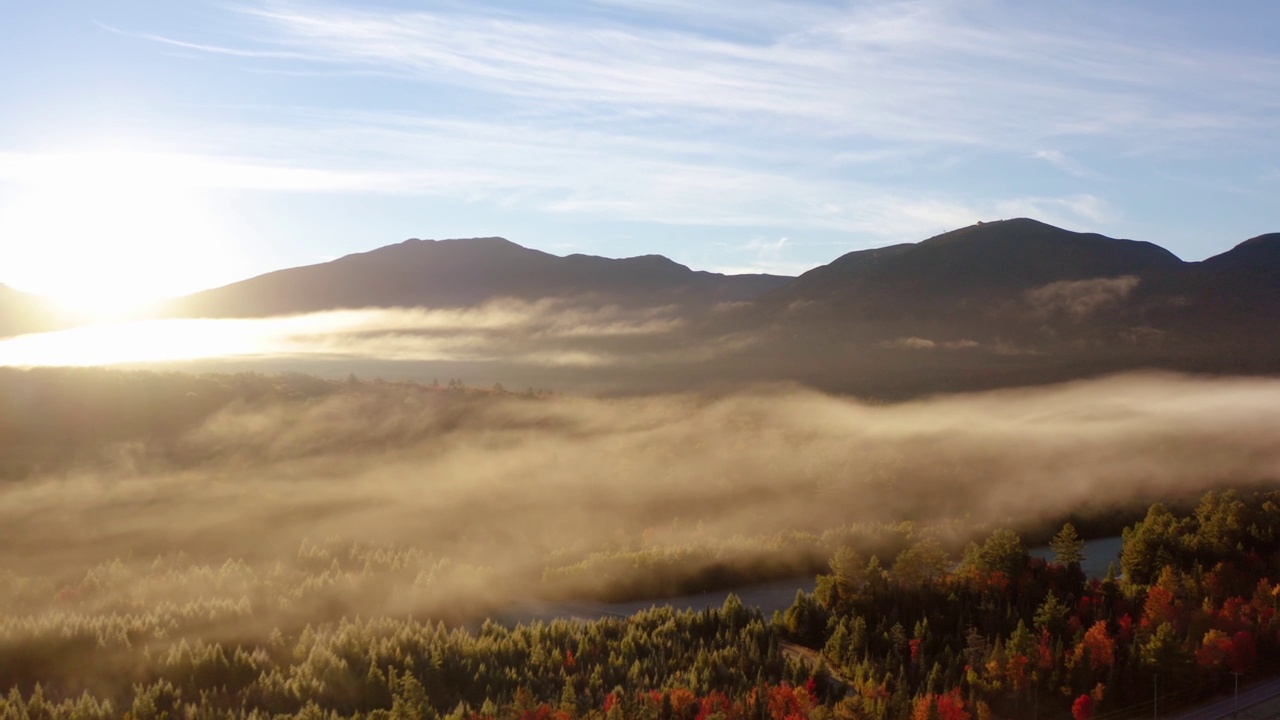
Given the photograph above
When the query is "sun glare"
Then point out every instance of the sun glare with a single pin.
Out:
(141, 341)
(104, 233)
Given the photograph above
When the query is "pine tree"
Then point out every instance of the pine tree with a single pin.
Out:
(1068, 548)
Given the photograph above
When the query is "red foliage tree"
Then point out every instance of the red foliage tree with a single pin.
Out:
(542, 712)
(1235, 614)
(1159, 608)
(1101, 648)
(951, 707)
(715, 702)
(1044, 653)
(922, 709)
(784, 702)
(1016, 672)
(1243, 652)
(681, 698)
(1082, 708)
(1125, 624)
(1213, 651)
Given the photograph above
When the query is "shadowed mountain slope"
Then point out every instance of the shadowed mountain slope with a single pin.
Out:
(1232, 298)
(1255, 255)
(1018, 302)
(979, 261)
(459, 273)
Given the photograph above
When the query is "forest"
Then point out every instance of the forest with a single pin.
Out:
(178, 545)
(997, 634)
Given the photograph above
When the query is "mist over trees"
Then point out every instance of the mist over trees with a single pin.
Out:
(252, 545)
(998, 635)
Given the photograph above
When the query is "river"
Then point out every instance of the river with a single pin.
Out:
(765, 597)
(1098, 554)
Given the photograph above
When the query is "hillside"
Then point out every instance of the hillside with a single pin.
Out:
(966, 275)
(462, 273)
(1024, 280)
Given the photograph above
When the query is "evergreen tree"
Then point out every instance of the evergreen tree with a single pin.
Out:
(1068, 548)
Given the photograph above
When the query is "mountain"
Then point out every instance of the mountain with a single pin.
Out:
(1017, 302)
(1255, 255)
(1232, 299)
(25, 313)
(461, 273)
(955, 273)
(1012, 302)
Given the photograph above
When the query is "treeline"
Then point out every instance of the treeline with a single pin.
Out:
(663, 567)
(657, 664)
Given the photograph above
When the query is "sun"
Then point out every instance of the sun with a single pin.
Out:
(107, 232)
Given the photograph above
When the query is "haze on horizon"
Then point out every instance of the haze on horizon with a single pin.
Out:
(158, 148)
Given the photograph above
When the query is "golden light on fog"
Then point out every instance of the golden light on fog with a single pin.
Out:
(105, 232)
(144, 341)
(544, 333)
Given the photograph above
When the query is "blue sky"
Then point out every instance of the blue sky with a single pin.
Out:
(151, 147)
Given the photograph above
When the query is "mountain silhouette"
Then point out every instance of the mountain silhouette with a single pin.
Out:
(463, 273)
(1003, 303)
(1230, 301)
(1018, 302)
(22, 312)
(954, 274)
(1259, 255)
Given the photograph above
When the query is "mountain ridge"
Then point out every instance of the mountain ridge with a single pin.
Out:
(467, 272)
(989, 305)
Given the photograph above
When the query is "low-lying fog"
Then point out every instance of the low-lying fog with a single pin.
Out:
(386, 500)
(550, 333)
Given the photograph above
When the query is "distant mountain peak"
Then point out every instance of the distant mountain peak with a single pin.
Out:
(465, 272)
(1267, 240)
(1259, 254)
(657, 262)
(491, 239)
(493, 242)
(963, 275)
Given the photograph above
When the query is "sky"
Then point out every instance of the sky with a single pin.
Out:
(150, 147)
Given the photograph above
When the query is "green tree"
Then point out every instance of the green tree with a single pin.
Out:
(1002, 552)
(1051, 614)
(921, 563)
(1150, 544)
(849, 570)
(1068, 548)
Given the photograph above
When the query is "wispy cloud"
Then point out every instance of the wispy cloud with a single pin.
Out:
(208, 48)
(920, 71)
(644, 179)
(779, 117)
(1059, 210)
(1063, 162)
